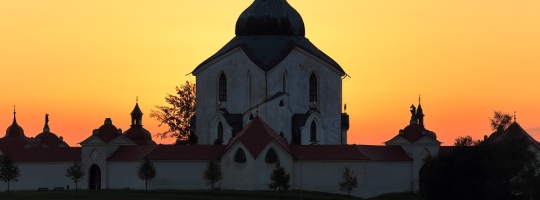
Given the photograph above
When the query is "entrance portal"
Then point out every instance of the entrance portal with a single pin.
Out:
(94, 178)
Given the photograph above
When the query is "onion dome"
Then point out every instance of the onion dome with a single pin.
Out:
(107, 131)
(15, 131)
(139, 135)
(267, 31)
(136, 132)
(270, 17)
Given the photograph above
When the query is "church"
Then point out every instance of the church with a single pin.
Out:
(268, 95)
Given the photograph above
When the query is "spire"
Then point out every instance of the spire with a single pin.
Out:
(420, 113)
(14, 131)
(136, 115)
(515, 117)
(14, 113)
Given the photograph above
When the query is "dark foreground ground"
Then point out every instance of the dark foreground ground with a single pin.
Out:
(197, 195)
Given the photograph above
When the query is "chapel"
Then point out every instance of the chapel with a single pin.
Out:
(269, 95)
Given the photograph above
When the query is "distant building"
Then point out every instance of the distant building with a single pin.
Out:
(268, 95)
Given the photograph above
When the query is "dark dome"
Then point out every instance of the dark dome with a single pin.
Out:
(413, 132)
(15, 131)
(48, 139)
(139, 135)
(270, 17)
(107, 131)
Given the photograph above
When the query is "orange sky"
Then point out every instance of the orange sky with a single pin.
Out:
(83, 61)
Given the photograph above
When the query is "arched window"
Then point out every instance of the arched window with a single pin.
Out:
(271, 156)
(240, 156)
(313, 88)
(220, 132)
(222, 87)
(313, 132)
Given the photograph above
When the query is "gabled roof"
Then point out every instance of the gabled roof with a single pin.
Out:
(68, 154)
(256, 136)
(266, 51)
(517, 130)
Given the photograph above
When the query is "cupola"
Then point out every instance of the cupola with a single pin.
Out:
(136, 132)
(15, 131)
(270, 17)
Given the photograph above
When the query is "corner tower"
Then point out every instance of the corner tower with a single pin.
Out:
(269, 69)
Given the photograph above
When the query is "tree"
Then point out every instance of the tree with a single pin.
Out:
(349, 182)
(491, 169)
(279, 179)
(466, 141)
(500, 120)
(178, 116)
(146, 171)
(9, 172)
(212, 174)
(75, 172)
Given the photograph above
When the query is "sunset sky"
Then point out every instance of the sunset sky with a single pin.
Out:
(84, 61)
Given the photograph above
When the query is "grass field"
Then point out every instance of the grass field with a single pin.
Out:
(197, 195)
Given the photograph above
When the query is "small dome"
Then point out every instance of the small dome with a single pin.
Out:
(107, 131)
(49, 139)
(270, 17)
(15, 131)
(139, 135)
(413, 132)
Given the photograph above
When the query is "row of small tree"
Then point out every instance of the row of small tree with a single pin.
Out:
(279, 179)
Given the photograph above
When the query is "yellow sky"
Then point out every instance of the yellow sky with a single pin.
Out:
(83, 61)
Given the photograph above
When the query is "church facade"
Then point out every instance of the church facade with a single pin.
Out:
(268, 95)
(269, 69)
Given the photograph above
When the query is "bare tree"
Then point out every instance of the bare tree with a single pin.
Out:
(178, 114)
(76, 173)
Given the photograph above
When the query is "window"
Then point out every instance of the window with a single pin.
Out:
(313, 88)
(240, 156)
(313, 132)
(249, 88)
(220, 132)
(285, 82)
(271, 156)
(222, 87)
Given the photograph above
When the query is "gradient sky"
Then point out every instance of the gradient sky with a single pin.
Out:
(83, 61)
